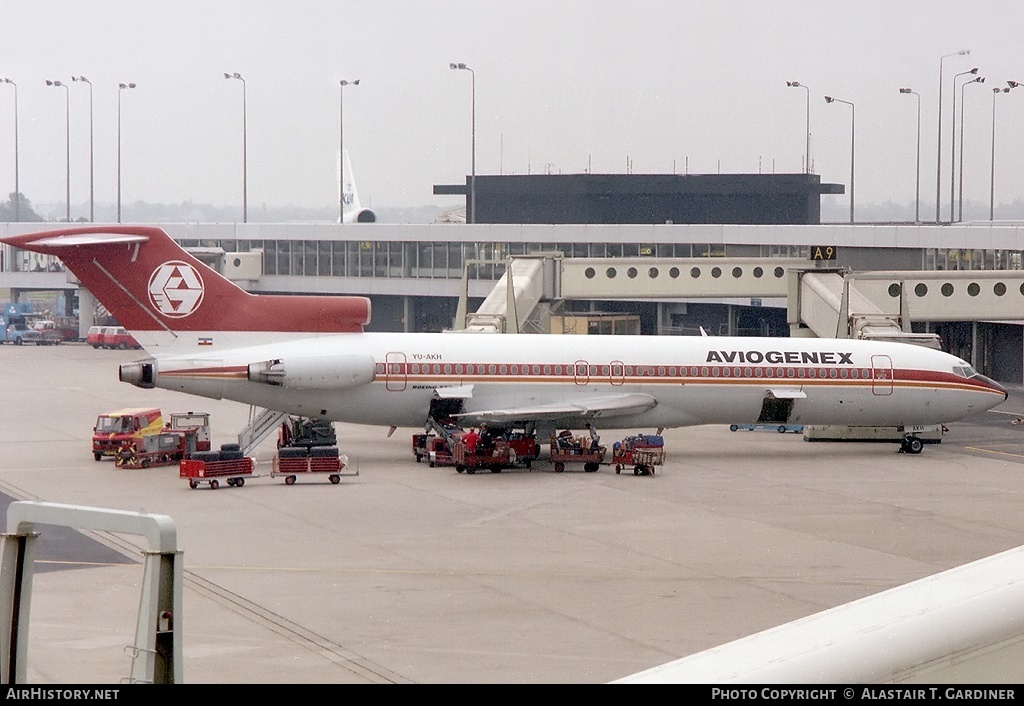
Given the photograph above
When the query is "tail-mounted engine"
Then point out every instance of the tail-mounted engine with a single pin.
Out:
(141, 374)
(332, 372)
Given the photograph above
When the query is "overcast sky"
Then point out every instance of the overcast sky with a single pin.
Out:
(561, 86)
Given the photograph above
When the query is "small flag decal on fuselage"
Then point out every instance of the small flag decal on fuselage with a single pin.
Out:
(205, 341)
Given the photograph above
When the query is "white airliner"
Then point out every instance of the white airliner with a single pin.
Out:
(352, 211)
(309, 355)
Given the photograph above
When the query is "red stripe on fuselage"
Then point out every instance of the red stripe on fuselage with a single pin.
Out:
(911, 378)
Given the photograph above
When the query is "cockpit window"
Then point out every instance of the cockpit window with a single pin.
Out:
(964, 371)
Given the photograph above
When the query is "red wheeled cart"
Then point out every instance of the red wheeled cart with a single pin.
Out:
(439, 450)
(641, 452)
(291, 462)
(568, 449)
(495, 459)
(525, 448)
(209, 467)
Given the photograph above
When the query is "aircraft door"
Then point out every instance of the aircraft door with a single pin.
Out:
(581, 372)
(775, 410)
(881, 375)
(395, 376)
(617, 372)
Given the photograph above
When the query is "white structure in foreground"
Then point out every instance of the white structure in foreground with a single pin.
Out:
(965, 625)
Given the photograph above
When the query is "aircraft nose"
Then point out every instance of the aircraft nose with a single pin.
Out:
(993, 384)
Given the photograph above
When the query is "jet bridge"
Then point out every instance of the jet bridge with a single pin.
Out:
(526, 281)
(821, 302)
(830, 306)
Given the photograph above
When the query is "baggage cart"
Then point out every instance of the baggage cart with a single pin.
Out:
(495, 459)
(641, 452)
(525, 447)
(209, 467)
(645, 460)
(568, 449)
(291, 462)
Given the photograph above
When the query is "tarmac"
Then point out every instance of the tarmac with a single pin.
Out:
(410, 574)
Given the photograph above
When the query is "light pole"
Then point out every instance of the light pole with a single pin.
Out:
(992, 187)
(807, 149)
(917, 190)
(472, 179)
(938, 159)
(960, 196)
(245, 188)
(92, 199)
(17, 188)
(120, 87)
(341, 147)
(853, 122)
(952, 146)
(67, 145)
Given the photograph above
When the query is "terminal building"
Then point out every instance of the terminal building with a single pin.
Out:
(955, 286)
(752, 199)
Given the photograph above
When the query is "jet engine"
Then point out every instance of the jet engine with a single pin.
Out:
(304, 373)
(141, 374)
(362, 215)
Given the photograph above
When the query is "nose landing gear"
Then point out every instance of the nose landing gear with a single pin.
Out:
(911, 445)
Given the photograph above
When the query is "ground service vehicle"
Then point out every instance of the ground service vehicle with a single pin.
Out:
(13, 324)
(117, 337)
(419, 446)
(439, 449)
(18, 333)
(432, 448)
(45, 333)
(494, 458)
(525, 446)
(95, 336)
(115, 428)
(186, 434)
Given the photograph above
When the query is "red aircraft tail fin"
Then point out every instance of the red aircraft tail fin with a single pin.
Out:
(150, 283)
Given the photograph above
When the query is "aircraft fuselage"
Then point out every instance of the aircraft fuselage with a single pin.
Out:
(390, 379)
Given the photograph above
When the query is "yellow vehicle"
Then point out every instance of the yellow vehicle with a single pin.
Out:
(113, 429)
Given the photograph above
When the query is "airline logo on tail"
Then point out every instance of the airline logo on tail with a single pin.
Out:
(176, 289)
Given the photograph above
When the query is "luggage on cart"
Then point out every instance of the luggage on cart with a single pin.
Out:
(566, 448)
(643, 452)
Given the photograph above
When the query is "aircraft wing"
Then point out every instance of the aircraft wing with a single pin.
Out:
(595, 408)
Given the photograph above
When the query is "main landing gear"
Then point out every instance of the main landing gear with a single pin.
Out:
(911, 445)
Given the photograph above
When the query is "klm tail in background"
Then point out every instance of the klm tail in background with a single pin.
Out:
(353, 212)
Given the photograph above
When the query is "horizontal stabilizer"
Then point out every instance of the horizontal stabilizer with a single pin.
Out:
(76, 240)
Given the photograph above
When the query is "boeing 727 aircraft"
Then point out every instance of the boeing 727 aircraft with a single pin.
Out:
(309, 355)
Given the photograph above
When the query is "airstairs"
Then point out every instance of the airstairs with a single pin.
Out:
(261, 425)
